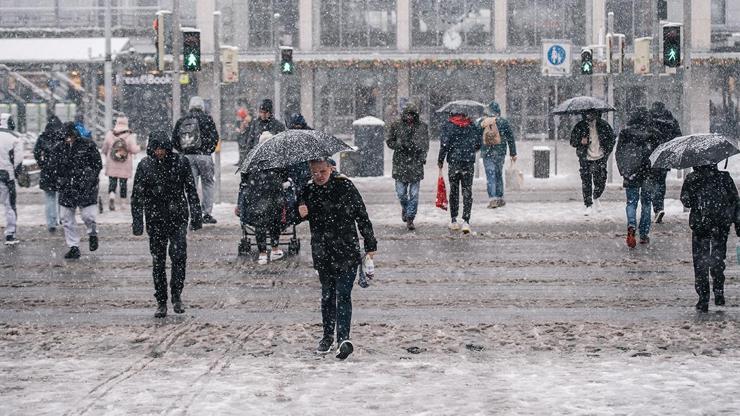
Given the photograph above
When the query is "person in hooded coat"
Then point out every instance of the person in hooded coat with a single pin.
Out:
(495, 155)
(668, 127)
(50, 137)
(712, 197)
(77, 164)
(636, 142)
(408, 137)
(460, 140)
(164, 196)
(593, 139)
(119, 148)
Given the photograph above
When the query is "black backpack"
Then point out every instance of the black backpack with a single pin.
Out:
(190, 138)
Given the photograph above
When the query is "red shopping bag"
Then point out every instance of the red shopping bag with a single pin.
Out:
(441, 193)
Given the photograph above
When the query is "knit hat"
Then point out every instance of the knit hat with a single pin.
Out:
(494, 107)
(266, 105)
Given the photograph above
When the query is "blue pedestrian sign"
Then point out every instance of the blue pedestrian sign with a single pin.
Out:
(556, 57)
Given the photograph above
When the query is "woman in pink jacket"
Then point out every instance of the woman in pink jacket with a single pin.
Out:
(119, 149)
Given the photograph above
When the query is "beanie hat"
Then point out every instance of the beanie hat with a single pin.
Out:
(266, 105)
(196, 102)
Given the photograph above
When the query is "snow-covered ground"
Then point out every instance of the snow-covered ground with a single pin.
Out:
(542, 311)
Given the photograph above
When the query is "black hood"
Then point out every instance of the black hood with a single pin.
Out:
(640, 117)
(159, 139)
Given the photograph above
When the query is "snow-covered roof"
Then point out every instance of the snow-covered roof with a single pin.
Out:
(368, 121)
(62, 50)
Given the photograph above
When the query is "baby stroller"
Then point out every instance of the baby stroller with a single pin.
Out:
(288, 219)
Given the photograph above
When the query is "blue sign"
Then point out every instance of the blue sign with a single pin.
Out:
(556, 55)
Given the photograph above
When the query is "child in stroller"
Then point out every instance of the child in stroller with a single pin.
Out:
(267, 207)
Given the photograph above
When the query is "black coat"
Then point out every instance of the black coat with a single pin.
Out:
(410, 144)
(164, 193)
(335, 212)
(208, 133)
(77, 167)
(636, 144)
(42, 152)
(712, 196)
(458, 144)
(262, 197)
(666, 125)
(603, 129)
(259, 126)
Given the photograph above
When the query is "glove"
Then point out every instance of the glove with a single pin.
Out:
(138, 228)
(196, 225)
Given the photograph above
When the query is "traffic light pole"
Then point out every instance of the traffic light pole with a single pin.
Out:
(176, 52)
(107, 72)
(216, 100)
(278, 89)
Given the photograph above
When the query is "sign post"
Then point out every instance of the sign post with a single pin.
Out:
(557, 59)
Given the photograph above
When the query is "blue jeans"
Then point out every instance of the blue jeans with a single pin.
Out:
(644, 195)
(408, 195)
(494, 166)
(52, 209)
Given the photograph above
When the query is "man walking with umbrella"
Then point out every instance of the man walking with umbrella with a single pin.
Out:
(593, 139)
(409, 140)
(335, 211)
(165, 195)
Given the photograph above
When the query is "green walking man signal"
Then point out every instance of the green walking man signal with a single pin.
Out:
(672, 45)
(191, 49)
(286, 60)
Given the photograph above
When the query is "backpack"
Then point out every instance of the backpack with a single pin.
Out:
(119, 150)
(190, 134)
(491, 135)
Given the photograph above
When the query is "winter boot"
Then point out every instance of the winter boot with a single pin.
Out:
(719, 300)
(501, 202)
(644, 239)
(325, 345)
(73, 253)
(10, 240)
(631, 241)
(345, 349)
(410, 224)
(112, 201)
(177, 305)
(93, 242)
(161, 310)
(702, 305)
(493, 203)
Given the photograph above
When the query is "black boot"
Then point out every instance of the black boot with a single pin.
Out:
(161, 310)
(702, 305)
(719, 300)
(177, 305)
(93, 242)
(73, 253)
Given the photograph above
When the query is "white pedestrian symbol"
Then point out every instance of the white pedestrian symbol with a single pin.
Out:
(192, 61)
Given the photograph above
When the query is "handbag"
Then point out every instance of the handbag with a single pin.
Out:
(441, 193)
(514, 178)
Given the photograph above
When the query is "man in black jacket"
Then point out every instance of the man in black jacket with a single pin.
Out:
(77, 164)
(712, 196)
(196, 137)
(335, 210)
(408, 137)
(42, 151)
(265, 121)
(165, 195)
(593, 139)
(668, 128)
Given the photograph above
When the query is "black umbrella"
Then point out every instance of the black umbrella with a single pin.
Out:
(291, 147)
(468, 107)
(582, 104)
(694, 150)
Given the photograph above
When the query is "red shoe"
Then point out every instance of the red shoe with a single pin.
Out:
(631, 241)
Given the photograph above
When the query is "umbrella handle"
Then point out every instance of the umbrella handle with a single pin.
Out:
(726, 160)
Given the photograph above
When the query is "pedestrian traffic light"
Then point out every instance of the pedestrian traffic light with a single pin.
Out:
(672, 45)
(587, 61)
(286, 60)
(191, 49)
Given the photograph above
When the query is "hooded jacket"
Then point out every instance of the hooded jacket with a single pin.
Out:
(636, 143)
(410, 145)
(51, 136)
(712, 196)
(664, 123)
(77, 166)
(504, 129)
(259, 126)
(208, 133)
(460, 140)
(606, 137)
(164, 191)
(114, 168)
